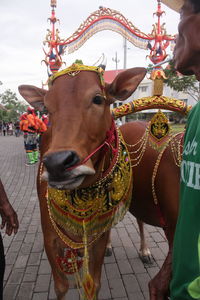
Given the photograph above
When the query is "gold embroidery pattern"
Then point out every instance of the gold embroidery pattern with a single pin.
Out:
(161, 102)
(75, 69)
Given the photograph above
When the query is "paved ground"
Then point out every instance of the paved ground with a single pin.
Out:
(28, 274)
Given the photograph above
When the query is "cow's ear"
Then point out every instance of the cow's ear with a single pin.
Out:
(33, 95)
(124, 84)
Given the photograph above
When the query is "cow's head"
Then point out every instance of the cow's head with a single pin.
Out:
(78, 103)
(187, 49)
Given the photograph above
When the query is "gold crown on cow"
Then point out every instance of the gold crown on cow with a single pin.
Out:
(74, 69)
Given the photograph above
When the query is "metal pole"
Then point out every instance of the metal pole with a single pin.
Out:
(116, 60)
(159, 64)
(125, 52)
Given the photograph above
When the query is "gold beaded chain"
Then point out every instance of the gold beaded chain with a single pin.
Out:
(138, 148)
(139, 142)
(170, 142)
(177, 149)
(155, 169)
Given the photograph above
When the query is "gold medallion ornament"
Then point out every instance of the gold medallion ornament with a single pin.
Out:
(159, 131)
(159, 125)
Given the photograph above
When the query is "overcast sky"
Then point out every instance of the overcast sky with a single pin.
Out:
(24, 26)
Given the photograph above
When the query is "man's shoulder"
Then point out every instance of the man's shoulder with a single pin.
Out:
(195, 112)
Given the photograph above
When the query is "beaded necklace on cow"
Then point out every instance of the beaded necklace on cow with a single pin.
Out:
(100, 206)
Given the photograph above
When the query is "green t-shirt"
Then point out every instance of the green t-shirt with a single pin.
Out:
(185, 282)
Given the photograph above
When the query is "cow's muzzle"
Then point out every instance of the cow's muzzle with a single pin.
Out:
(63, 170)
(56, 163)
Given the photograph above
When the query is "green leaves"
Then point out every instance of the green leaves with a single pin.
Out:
(181, 83)
(14, 108)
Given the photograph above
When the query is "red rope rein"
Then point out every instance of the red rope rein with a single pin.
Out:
(111, 136)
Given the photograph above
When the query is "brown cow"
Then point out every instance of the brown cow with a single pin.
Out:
(77, 151)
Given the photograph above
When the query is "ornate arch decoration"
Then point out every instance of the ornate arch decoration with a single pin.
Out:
(106, 19)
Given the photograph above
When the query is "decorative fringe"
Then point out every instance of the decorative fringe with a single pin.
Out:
(88, 282)
(108, 24)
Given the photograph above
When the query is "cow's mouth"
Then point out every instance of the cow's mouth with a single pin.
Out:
(68, 180)
(68, 184)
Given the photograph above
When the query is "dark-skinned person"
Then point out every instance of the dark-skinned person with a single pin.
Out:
(185, 282)
(10, 223)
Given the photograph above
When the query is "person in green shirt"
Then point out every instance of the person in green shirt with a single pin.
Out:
(185, 282)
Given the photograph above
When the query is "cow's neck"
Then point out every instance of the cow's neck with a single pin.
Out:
(109, 154)
(104, 157)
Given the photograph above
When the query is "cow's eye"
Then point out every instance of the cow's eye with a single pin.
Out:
(98, 100)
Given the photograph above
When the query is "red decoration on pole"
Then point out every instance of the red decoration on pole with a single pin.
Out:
(53, 57)
(160, 37)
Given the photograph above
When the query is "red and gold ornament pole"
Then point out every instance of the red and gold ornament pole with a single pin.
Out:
(158, 52)
(53, 58)
(161, 39)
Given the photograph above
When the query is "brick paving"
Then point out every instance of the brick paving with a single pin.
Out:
(28, 274)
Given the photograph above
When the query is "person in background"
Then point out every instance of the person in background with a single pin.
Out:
(31, 141)
(33, 127)
(7, 128)
(185, 282)
(23, 125)
(17, 129)
(10, 128)
(45, 119)
(42, 127)
(11, 224)
(4, 129)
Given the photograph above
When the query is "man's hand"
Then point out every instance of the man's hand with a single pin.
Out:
(9, 218)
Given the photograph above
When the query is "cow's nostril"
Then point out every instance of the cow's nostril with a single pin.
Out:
(71, 159)
(60, 161)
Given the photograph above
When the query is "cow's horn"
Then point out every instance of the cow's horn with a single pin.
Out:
(102, 63)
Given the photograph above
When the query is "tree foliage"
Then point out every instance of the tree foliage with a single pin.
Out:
(78, 61)
(181, 83)
(14, 107)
